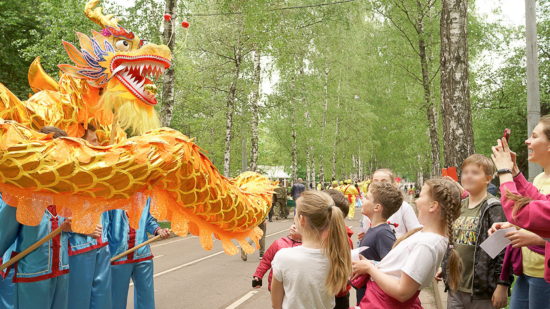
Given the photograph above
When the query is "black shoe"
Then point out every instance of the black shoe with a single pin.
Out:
(261, 256)
(270, 220)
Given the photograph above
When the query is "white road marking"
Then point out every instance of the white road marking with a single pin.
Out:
(158, 256)
(241, 300)
(180, 239)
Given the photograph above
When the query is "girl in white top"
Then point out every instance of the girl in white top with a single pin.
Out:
(310, 275)
(412, 263)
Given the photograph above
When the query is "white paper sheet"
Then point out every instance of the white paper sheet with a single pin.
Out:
(355, 253)
(496, 242)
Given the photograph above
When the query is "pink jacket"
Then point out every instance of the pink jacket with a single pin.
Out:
(534, 217)
(265, 264)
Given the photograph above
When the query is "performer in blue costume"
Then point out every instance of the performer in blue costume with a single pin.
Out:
(137, 265)
(7, 287)
(90, 261)
(42, 277)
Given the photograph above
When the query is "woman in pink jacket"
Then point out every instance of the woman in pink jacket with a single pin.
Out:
(527, 207)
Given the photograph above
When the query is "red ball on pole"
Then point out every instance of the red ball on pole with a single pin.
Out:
(185, 24)
(167, 17)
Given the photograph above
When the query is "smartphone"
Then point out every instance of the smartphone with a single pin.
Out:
(507, 134)
(452, 173)
(444, 172)
(256, 283)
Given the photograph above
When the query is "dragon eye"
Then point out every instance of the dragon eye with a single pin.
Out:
(122, 45)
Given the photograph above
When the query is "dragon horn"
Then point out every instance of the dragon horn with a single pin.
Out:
(97, 16)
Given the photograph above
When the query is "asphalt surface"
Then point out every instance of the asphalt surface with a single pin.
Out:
(187, 276)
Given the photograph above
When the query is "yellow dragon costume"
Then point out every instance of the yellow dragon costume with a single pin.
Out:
(110, 72)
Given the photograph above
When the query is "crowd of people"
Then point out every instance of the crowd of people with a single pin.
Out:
(403, 251)
(42, 280)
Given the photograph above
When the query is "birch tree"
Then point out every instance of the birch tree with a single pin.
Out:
(458, 134)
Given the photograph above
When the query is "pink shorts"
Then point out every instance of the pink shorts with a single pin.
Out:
(375, 298)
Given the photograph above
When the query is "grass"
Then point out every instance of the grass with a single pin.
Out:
(165, 224)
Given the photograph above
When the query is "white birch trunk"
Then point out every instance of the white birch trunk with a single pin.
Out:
(458, 134)
(324, 124)
(255, 116)
(169, 81)
(230, 110)
(294, 150)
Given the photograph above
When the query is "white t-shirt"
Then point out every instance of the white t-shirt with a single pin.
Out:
(418, 256)
(404, 217)
(303, 272)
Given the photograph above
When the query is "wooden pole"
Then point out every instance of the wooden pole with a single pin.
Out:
(114, 126)
(30, 249)
(125, 253)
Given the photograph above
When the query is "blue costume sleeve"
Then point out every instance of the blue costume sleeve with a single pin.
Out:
(152, 224)
(9, 227)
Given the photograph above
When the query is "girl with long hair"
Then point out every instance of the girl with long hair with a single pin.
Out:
(412, 263)
(526, 205)
(310, 275)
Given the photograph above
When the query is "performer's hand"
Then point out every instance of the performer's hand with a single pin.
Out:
(66, 225)
(360, 236)
(164, 233)
(97, 232)
(500, 226)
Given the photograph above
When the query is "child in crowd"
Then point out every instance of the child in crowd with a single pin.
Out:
(404, 219)
(309, 276)
(382, 201)
(481, 286)
(290, 241)
(410, 266)
(340, 201)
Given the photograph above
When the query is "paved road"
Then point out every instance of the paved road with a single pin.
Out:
(187, 276)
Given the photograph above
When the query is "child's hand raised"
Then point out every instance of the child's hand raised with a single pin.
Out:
(361, 267)
(456, 183)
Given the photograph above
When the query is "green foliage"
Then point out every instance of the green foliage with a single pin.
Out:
(370, 49)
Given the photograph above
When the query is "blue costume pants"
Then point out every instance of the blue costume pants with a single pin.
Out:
(90, 279)
(7, 291)
(142, 276)
(46, 294)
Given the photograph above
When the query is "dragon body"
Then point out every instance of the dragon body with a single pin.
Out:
(110, 72)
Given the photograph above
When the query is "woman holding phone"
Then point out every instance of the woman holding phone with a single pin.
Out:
(527, 205)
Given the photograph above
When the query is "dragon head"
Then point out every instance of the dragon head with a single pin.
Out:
(122, 66)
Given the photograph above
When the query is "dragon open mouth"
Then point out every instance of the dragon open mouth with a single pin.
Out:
(133, 72)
